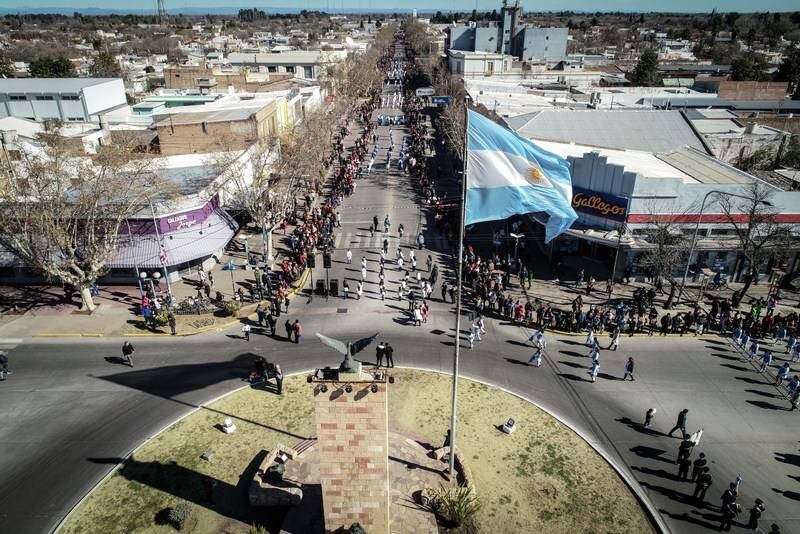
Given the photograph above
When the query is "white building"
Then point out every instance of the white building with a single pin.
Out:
(308, 64)
(64, 99)
(467, 64)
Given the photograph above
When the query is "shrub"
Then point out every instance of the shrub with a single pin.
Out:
(458, 504)
(232, 307)
(257, 529)
(179, 515)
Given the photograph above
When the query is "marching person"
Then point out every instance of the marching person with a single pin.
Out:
(127, 352)
(629, 370)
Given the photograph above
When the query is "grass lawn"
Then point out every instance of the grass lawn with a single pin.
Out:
(542, 478)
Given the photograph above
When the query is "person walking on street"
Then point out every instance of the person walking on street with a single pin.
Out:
(173, 325)
(681, 423)
(246, 331)
(289, 329)
(273, 324)
(429, 263)
(766, 361)
(349, 256)
(755, 514)
(683, 468)
(389, 353)
(298, 331)
(536, 359)
(729, 495)
(782, 374)
(595, 370)
(360, 289)
(698, 466)
(729, 511)
(614, 340)
(648, 417)
(127, 353)
(420, 241)
(704, 481)
(629, 369)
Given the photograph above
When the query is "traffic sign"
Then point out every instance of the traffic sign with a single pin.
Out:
(440, 100)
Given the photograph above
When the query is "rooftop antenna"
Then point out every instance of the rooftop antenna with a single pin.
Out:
(162, 12)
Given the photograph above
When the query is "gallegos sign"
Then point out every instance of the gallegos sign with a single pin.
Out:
(599, 204)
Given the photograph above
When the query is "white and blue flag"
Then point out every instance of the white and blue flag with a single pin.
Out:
(509, 175)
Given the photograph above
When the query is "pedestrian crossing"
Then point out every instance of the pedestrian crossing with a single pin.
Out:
(361, 240)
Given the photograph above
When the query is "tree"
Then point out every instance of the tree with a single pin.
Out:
(51, 67)
(105, 66)
(6, 67)
(646, 71)
(789, 70)
(749, 67)
(62, 214)
(759, 233)
(667, 250)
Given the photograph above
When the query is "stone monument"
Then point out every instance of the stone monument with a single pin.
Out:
(353, 441)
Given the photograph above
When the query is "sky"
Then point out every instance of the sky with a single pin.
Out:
(483, 5)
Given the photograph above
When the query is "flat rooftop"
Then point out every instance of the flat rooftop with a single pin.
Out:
(50, 85)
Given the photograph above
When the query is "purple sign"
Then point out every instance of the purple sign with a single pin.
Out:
(187, 219)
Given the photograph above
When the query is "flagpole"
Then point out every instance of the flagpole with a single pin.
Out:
(459, 263)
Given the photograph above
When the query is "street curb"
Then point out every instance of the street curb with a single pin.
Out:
(655, 517)
(248, 310)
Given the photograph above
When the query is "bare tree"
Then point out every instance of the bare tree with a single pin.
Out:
(758, 230)
(61, 214)
(667, 250)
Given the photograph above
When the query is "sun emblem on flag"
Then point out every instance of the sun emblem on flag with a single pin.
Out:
(535, 175)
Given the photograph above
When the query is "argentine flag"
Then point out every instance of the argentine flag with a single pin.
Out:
(509, 175)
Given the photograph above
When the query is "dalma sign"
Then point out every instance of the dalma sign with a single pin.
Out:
(600, 204)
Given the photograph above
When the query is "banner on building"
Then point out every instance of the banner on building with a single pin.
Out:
(602, 205)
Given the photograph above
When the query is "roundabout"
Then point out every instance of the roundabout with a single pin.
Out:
(542, 477)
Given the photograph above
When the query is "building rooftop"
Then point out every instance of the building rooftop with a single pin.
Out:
(649, 131)
(293, 57)
(704, 168)
(205, 116)
(49, 85)
(646, 164)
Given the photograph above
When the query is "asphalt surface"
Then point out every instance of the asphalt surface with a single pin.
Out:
(71, 402)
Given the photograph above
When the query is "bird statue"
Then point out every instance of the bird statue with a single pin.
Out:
(348, 349)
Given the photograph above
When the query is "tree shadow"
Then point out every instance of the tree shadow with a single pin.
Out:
(572, 353)
(517, 343)
(172, 381)
(715, 341)
(201, 490)
(572, 342)
(766, 405)
(516, 362)
(650, 453)
(572, 364)
(795, 496)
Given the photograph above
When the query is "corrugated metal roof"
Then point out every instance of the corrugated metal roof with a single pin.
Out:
(222, 115)
(49, 85)
(649, 131)
(704, 168)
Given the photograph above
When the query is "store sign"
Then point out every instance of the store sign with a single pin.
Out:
(440, 100)
(600, 204)
(187, 219)
(425, 91)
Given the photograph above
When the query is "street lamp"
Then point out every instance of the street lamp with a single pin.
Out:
(697, 228)
(152, 278)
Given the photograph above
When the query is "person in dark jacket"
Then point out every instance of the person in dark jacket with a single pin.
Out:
(755, 514)
(681, 423)
(389, 352)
